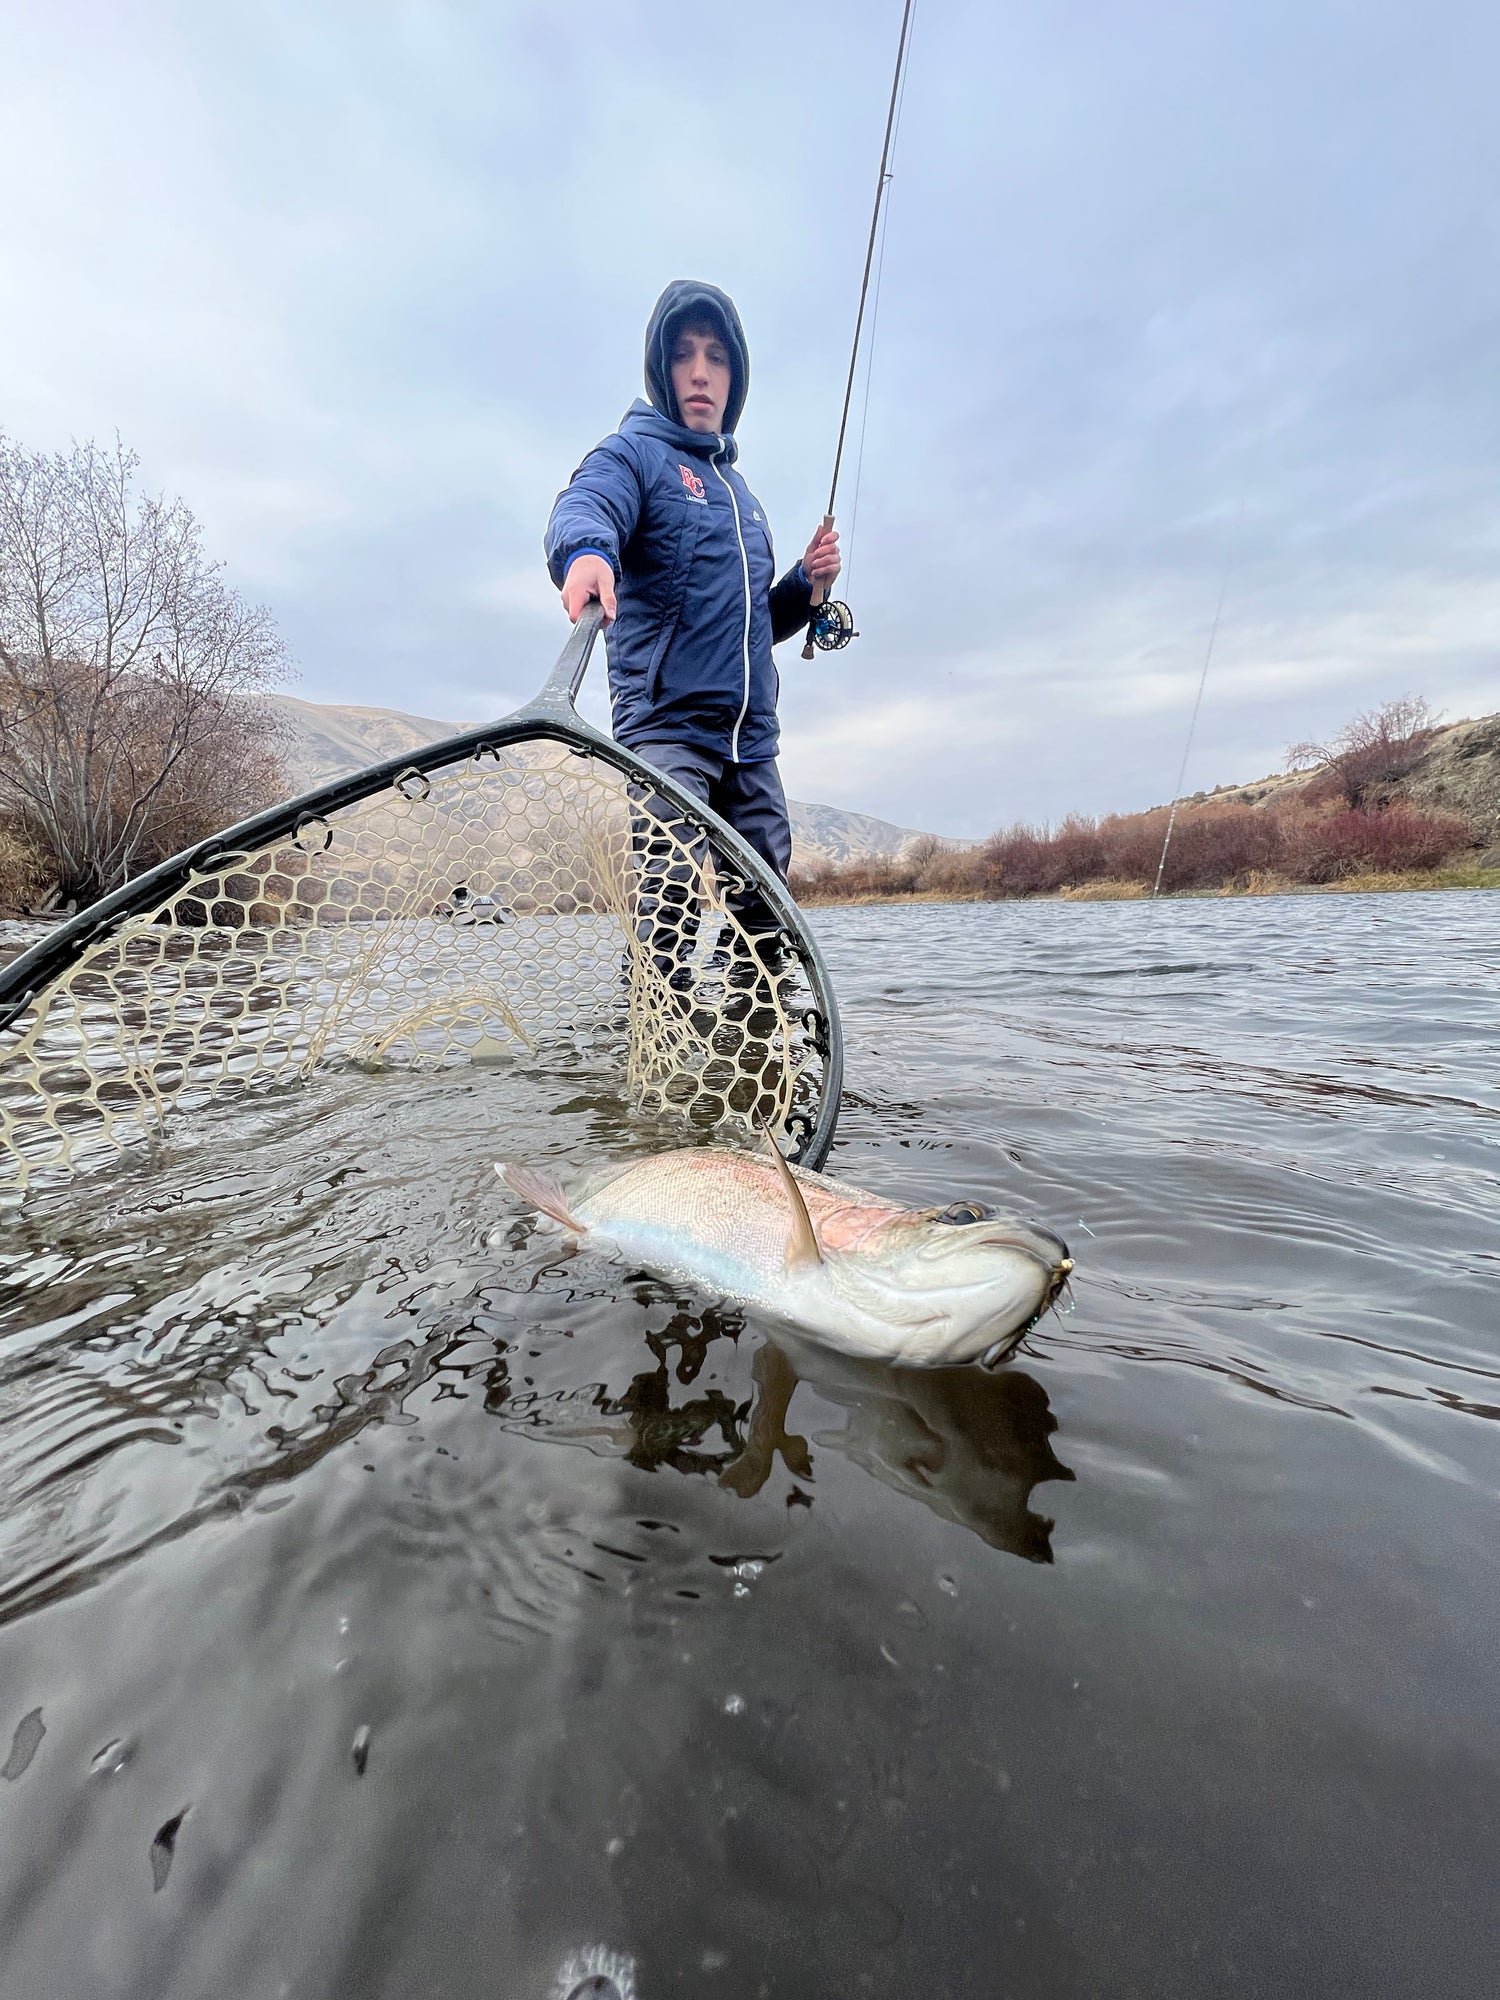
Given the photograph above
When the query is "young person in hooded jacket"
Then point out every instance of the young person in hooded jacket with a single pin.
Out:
(659, 525)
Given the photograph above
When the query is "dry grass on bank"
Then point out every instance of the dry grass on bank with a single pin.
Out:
(25, 876)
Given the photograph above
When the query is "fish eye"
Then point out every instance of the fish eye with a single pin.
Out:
(963, 1211)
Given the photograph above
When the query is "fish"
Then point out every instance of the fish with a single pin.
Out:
(863, 1274)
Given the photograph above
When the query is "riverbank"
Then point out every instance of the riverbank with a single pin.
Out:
(1137, 892)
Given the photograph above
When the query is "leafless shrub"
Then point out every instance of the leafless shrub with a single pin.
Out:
(1019, 861)
(1325, 847)
(1376, 748)
(1214, 846)
(950, 872)
(848, 881)
(127, 671)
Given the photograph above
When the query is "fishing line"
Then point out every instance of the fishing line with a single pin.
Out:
(875, 335)
(1187, 748)
(831, 625)
(864, 418)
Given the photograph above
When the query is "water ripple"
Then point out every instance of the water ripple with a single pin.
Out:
(1072, 1678)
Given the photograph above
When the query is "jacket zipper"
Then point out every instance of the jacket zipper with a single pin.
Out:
(739, 535)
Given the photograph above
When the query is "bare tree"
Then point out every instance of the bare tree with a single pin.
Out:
(1376, 748)
(128, 668)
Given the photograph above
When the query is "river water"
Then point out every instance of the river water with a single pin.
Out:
(394, 1605)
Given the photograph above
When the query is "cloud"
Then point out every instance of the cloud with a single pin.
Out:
(1165, 289)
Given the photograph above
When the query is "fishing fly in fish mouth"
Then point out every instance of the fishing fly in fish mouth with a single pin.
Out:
(862, 1273)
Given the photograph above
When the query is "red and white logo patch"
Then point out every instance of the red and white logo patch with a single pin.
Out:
(693, 483)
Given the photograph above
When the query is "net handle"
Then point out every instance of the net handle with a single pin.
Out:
(560, 689)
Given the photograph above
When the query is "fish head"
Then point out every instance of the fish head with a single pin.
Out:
(959, 1282)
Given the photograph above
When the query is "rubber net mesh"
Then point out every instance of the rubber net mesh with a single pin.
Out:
(525, 899)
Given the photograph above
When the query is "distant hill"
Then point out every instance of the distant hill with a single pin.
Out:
(327, 740)
(828, 833)
(332, 739)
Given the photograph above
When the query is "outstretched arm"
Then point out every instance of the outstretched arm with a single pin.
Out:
(592, 520)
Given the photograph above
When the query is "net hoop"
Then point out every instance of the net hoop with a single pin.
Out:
(306, 823)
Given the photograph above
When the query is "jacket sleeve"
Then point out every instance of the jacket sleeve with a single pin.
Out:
(791, 605)
(596, 511)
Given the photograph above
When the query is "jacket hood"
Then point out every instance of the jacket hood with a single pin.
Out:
(687, 298)
(640, 420)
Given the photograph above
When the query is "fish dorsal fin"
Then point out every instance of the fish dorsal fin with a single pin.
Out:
(802, 1246)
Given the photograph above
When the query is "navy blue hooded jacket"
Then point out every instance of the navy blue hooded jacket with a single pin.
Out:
(690, 649)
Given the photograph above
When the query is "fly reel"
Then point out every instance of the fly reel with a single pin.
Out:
(833, 626)
(830, 628)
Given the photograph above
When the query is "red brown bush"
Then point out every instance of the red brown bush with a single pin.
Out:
(1213, 846)
(1326, 847)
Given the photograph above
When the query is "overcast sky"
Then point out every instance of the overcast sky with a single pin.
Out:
(1169, 286)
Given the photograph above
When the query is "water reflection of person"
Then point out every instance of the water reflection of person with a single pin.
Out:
(969, 1444)
(666, 1434)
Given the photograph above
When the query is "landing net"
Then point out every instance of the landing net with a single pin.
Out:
(521, 894)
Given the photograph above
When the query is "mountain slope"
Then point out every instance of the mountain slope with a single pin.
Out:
(327, 740)
(330, 739)
(1458, 771)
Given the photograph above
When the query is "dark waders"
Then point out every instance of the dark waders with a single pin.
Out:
(670, 852)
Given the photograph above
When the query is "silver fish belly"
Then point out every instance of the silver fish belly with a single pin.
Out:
(864, 1274)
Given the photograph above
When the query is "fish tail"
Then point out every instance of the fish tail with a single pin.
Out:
(543, 1191)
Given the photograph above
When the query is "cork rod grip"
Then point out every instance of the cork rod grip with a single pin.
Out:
(818, 594)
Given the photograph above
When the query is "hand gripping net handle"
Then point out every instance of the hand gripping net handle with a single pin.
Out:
(522, 883)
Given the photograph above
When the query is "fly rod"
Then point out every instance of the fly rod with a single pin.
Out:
(831, 625)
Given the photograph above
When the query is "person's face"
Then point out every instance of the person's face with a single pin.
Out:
(700, 376)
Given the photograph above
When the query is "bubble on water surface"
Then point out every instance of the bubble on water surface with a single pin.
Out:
(111, 1759)
(595, 1973)
(734, 1704)
(744, 1574)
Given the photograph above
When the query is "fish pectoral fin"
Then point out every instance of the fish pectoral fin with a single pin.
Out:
(803, 1246)
(543, 1191)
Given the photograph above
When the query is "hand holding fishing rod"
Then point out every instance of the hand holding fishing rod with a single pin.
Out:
(822, 562)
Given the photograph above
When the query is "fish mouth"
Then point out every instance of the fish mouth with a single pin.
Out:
(1057, 1283)
(971, 1292)
(1027, 1239)
(1055, 1261)
(1043, 1244)
(1046, 1253)
(1050, 1254)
